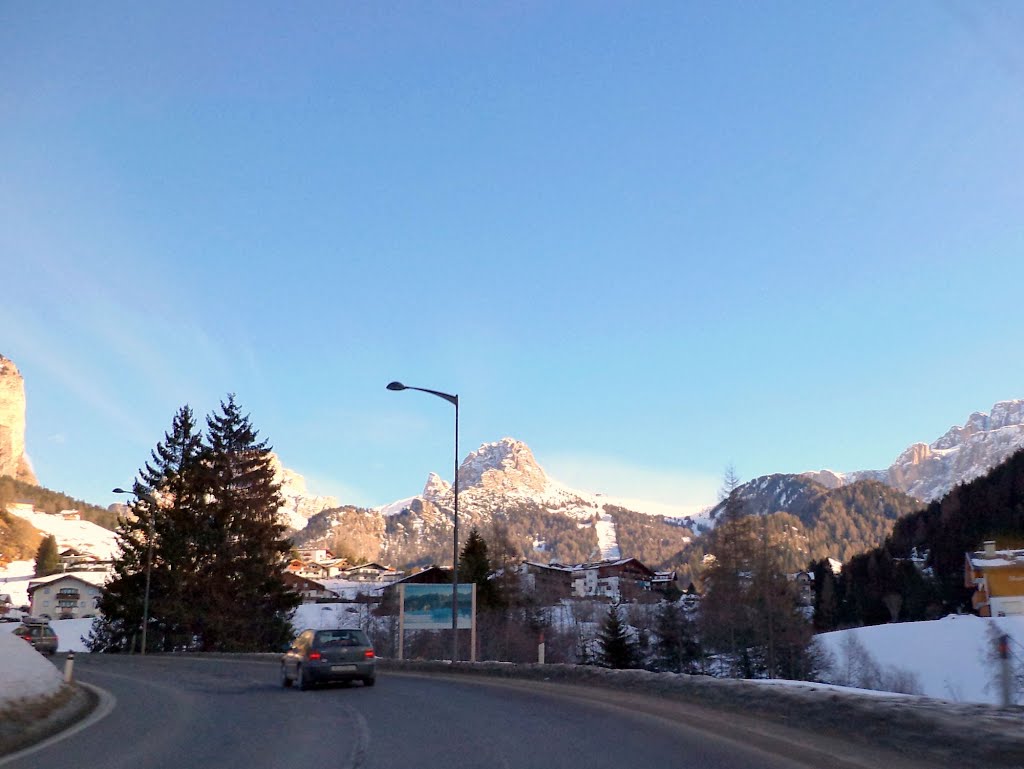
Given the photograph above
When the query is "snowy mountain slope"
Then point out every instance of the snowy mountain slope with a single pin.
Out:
(81, 535)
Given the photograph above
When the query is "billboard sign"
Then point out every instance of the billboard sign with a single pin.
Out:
(429, 607)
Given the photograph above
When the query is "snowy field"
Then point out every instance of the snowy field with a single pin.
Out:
(949, 659)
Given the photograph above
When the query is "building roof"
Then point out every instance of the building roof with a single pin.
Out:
(370, 565)
(91, 578)
(994, 559)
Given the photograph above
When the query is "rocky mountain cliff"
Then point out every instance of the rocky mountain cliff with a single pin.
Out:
(13, 459)
(505, 493)
(929, 471)
(299, 505)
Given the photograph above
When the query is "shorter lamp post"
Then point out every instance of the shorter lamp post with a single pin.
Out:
(145, 497)
(454, 400)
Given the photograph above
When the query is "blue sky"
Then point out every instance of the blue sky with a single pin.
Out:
(650, 240)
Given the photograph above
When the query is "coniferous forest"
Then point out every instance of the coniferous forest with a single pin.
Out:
(918, 573)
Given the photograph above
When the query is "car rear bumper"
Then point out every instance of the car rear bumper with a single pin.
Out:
(322, 672)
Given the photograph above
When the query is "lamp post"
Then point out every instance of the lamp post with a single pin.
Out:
(145, 497)
(454, 400)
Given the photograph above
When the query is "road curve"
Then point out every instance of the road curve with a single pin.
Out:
(181, 712)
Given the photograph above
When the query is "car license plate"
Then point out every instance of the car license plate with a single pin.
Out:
(343, 668)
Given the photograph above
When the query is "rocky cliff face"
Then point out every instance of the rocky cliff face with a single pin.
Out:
(929, 471)
(299, 505)
(13, 460)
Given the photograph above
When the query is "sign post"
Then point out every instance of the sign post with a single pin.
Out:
(429, 607)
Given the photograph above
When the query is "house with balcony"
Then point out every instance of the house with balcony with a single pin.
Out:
(66, 596)
(315, 554)
(613, 579)
(997, 577)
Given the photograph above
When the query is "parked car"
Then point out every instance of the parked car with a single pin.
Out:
(38, 633)
(322, 656)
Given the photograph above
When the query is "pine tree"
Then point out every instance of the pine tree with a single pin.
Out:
(475, 567)
(47, 557)
(174, 473)
(676, 648)
(247, 604)
(726, 619)
(616, 648)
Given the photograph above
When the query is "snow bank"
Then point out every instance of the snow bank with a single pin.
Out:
(71, 633)
(24, 672)
(949, 659)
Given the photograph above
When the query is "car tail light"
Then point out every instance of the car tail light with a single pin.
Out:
(314, 655)
(368, 654)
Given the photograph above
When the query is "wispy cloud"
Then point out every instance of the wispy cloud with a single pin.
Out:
(661, 490)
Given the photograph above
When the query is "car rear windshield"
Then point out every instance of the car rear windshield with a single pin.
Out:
(328, 638)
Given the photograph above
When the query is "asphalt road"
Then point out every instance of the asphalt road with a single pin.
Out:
(178, 713)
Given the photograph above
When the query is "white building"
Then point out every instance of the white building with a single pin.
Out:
(66, 596)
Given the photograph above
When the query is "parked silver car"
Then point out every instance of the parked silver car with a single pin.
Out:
(38, 633)
(322, 656)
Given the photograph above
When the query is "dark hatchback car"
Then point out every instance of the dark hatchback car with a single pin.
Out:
(39, 634)
(324, 656)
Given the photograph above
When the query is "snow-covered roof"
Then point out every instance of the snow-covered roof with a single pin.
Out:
(995, 559)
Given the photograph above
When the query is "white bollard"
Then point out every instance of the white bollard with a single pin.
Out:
(69, 667)
(540, 650)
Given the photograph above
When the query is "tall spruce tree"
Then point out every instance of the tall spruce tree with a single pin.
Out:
(47, 557)
(247, 604)
(173, 478)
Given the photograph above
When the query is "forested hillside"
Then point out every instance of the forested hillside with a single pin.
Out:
(49, 501)
(918, 572)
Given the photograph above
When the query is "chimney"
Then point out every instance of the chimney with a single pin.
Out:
(990, 548)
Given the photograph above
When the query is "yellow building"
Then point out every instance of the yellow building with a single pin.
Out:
(997, 577)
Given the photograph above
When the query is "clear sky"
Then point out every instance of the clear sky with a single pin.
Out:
(649, 239)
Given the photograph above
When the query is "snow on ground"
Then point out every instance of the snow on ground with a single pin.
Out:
(81, 535)
(330, 615)
(607, 542)
(71, 633)
(24, 672)
(348, 589)
(950, 658)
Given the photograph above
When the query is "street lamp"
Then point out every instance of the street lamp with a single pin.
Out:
(454, 400)
(145, 497)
